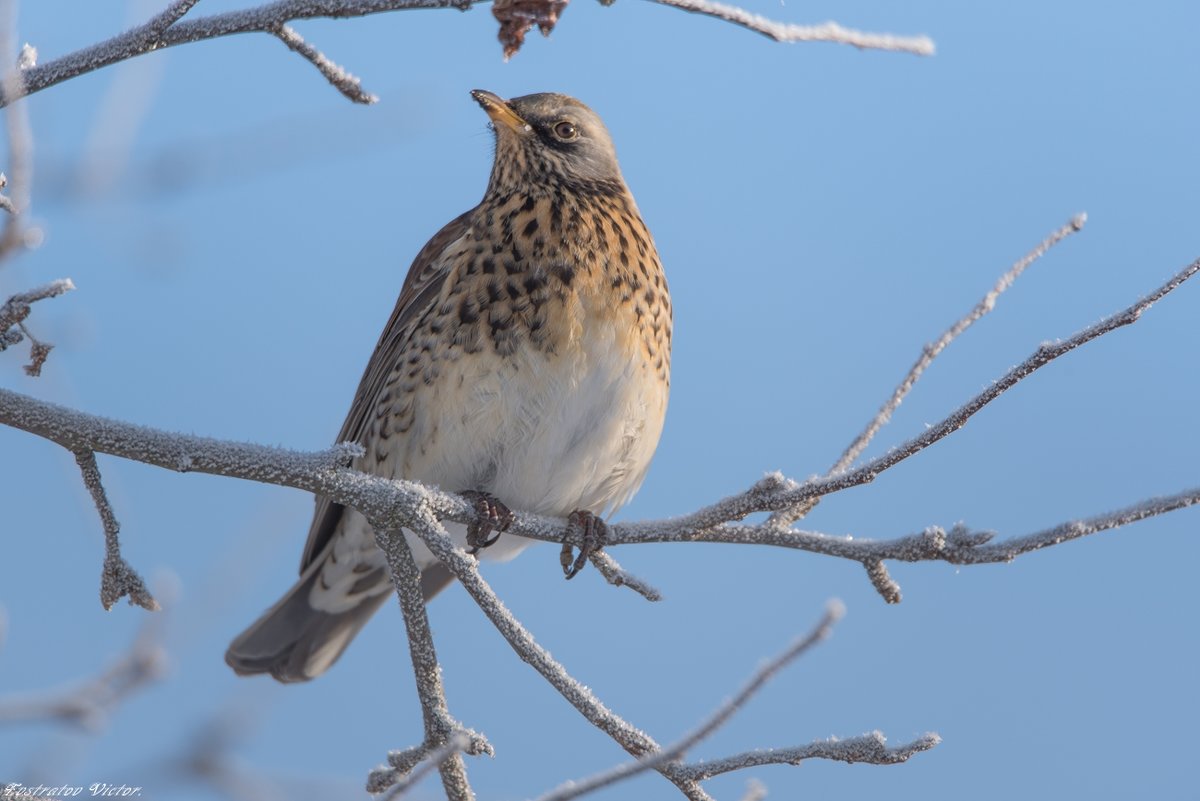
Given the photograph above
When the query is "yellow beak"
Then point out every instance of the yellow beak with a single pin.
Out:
(499, 111)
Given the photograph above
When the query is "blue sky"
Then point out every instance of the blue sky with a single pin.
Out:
(238, 232)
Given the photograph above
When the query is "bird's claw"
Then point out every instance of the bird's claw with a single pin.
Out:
(491, 515)
(594, 533)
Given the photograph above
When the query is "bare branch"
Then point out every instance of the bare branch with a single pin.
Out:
(458, 743)
(152, 30)
(774, 492)
(119, 579)
(826, 32)
(343, 81)
(931, 351)
(400, 503)
(13, 315)
(89, 703)
(269, 18)
(615, 575)
(821, 631)
(440, 728)
(869, 748)
(465, 568)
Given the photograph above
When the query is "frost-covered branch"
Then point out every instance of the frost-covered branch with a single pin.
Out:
(871, 749)
(393, 505)
(168, 29)
(930, 352)
(396, 503)
(676, 751)
(338, 77)
(786, 32)
(12, 322)
(118, 580)
(445, 739)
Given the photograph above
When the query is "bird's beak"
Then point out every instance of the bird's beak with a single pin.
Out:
(499, 111)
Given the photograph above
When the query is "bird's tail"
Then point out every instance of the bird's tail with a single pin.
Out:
(293, 641)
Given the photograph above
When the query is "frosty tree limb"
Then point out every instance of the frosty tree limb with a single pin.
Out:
(338, 77)
(118, 580)
(825, 32)
(821, 631)
(930, 352)
(933, 350)
(393, 504)
(871, 749)
(168, 29)
(442, 733)
(12, 321)
(396, 503)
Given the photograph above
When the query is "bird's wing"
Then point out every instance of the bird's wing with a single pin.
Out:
(421, 289)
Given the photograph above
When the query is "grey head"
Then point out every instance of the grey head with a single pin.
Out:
(549, 140)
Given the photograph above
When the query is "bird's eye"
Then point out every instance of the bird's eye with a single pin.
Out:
(565, 130)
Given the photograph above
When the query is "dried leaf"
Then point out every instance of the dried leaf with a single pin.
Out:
(516, 17)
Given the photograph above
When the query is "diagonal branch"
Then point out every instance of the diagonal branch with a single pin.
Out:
(928, 354)
(465, 568)
(398, 503)
(775, 493)
(870, 748)
(343, 81)
(833, 612)
(825, 32)
(933, 350)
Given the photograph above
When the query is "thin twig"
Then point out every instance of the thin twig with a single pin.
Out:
(12, 322)
(343, 81)
(617, 576)
(871, 749)
(455, 745)
(765, 496)
(825, 32)
(150, 32)
(821, 631)
(118, 580)
(930, 352)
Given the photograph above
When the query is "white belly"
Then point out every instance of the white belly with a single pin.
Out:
(543, 432)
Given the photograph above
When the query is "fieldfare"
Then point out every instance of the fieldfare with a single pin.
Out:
(527, 363)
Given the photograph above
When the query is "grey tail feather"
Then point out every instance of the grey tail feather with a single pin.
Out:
(295, 642)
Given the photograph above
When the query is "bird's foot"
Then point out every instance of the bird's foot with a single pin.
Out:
(594, 531)
(491, 515)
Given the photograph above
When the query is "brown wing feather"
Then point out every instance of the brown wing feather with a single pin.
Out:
(421, 288)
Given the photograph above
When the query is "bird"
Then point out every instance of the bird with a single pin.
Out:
(526, 365)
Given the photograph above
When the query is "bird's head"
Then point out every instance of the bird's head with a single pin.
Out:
(549, 140)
